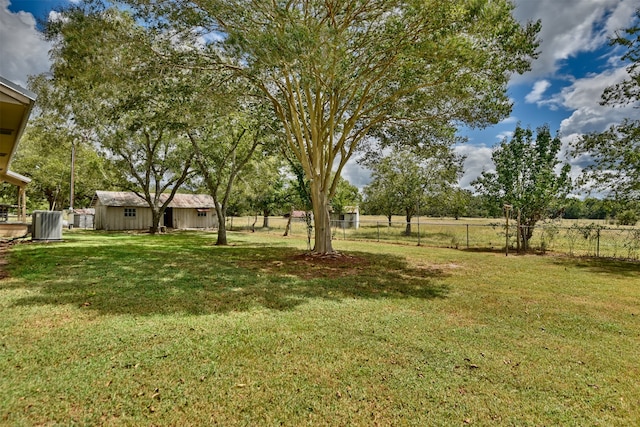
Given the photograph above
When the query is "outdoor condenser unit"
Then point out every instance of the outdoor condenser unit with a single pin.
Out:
(46, 225)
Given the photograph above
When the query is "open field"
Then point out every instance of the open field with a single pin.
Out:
(598, 238)
(126, 329)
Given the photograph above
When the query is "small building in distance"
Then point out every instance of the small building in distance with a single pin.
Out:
(350, 218)
(125, 210)
(83, 218)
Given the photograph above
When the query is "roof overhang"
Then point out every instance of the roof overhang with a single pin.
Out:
(14, 178)
(16, 104)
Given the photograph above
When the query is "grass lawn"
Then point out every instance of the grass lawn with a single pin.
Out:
(120, 329)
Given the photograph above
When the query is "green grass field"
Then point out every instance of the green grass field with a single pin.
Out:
(126, 329)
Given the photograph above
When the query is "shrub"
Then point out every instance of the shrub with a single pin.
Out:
(628, 217)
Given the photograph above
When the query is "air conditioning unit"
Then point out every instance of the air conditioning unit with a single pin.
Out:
(46, 225)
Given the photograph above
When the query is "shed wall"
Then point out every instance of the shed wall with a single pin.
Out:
(347, 220)
(83, 220)
(188, 218)
(112, 218)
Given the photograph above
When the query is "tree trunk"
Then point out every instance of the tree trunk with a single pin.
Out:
(407, 231)
(156, 215)
(519, 234)
(222, 227)
(389, 219)
(321, 221)
(265, 220)
(527, 234)
(288, 227)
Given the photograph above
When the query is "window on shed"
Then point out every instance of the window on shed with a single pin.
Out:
(129, 212)
(202, 213)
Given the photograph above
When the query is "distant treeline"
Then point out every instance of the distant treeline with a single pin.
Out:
(476, 206)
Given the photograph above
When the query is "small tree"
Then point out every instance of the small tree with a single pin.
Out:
(455, 202)
(346, 195)
(265, 187)
(224, 148)
(526, 178)
(403, 182)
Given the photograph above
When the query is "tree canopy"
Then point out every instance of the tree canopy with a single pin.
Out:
(336, 70)
(525, 177)
(45, 157)
(110, 73)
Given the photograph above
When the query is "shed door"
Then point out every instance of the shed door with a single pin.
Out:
(168, 217)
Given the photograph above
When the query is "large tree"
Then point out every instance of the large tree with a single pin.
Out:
(335, 69)
(113, 75)
(526, 177)
(615, 152)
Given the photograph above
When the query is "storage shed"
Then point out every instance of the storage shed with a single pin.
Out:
(83, 218)
(123, 210)
(350, 218)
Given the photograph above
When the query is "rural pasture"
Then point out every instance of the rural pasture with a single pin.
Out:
(137, 329)
(584, 237)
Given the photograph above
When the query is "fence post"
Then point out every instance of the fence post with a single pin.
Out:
(378, 227)
(467, 236)
(506, 247)
(418, 231)
(598, 243)
(344, 232)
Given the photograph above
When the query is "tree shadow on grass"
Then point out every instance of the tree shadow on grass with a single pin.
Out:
(203, 279)
(606, 266)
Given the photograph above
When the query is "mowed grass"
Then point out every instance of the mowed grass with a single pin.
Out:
(120, 329)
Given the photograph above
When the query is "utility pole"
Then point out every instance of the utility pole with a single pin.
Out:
(73, 173)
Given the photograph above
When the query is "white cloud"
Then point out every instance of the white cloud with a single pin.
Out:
(55, 16)
(478, 160)
(539, 88)
(356, 174)
(570, 27)
(504, 135)
(22, 47)
(583, 97)
(509, 120)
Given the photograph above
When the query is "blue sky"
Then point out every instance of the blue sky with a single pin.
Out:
(38, 8)
(562, 90)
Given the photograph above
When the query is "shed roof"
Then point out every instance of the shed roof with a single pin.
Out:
(131, 199)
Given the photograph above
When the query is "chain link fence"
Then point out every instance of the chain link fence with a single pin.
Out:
(564, 237)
